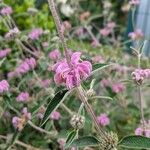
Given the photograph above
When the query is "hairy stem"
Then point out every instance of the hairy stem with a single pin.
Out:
(59, 28)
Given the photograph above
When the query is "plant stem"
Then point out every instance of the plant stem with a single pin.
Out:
(89, 109)
(140, 95)
(59, 28)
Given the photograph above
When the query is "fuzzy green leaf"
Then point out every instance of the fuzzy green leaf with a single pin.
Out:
(136, 142)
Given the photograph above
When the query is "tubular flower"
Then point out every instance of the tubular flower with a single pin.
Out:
(71, 76)
(35, 34)
(103, 119)
(4, 52)
(23, 97)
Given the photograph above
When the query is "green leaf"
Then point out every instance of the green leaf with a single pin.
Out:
(54, 104)
(98, 67)
(136, 142)
(85, 141)
(72, 135)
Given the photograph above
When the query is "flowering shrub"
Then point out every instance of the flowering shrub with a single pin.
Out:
(71, 86)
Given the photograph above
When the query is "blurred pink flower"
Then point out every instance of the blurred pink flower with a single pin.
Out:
(95, 43)
(4, 86)
(55, 115)
(134, 2)
(41, 112)
(12, 32)
(80, 31)
(139, 131)
(35, 34)
(140, 74)
(118, 87)
(4, 52)
(23, 97)
(46, 83)
(106, 82)
(61, 143)
(111, 25)
(54, 55)
(17, 123)
(65, 26)
(27, 65)
(72, 76)
(105, 31)
(45, 44)
(26, 114)
(103, 119)
(6, 10)
(137, 34)
(98, 59)
(143, 130)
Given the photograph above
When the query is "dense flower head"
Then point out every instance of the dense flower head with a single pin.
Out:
(4, 52)
(35, 34)
(143, 130)
(103, 119)
(134, 2)
(137, 34)
(118, 87)
(19, 122)
(140, 74)
(6, 10)
(12, 33)
(55, 115)
(71, 76)
(23, 97)
(4, 86)
(27, 65)
(54, 55)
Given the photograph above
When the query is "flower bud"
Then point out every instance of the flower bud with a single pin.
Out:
(77, 121)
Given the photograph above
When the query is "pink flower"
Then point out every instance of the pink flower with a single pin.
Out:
(95, 43)
(23, 97)
(111, 25)
(139, 131)
(54, 55)
(137, 34)
(98, 59)
(147, 132)
(26, 114)
(65, 26)
(61, 143)
(45, 44)
(80, 31)
(4, 86)
(103, 119)
(27, 65)
(17, 123)
(35, 34)
(13, 32)
(140, 74)
(41, 112)
(118, 87)
(105, 82)
(105, 31)
(72, 75)
(6, 11)
(55, 115)
(4, 52)
(134, 2)
(45, 83)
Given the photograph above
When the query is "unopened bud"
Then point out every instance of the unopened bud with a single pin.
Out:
(77, 121)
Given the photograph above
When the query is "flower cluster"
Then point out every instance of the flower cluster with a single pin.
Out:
(137, 34)
(143, 131)
(23, 97)
(45, 83)
(6, 10)
(118, 87)
(134, 2)
(12, 33)
(71, 75)
(35, 34)
(103, 119)
(4, 86)
(54, 55)
(108, 29)
(55, 115)
(4, 52)
(140, 74)
(27, 65)
(19, 122)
